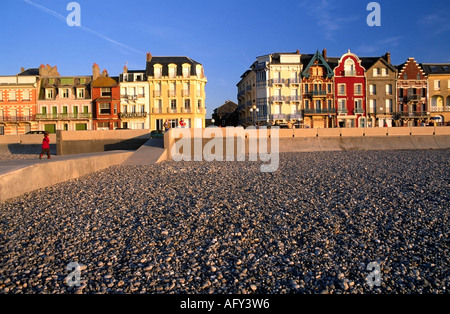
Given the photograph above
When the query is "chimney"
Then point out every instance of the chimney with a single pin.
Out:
(324, 54)
(149, 57)
(95, 71)
(22, 69)
(387, 56)
(125, 68)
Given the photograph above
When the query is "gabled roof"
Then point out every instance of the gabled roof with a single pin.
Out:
(368, 62)
(105, 82)
(165, 61)
(321, 61)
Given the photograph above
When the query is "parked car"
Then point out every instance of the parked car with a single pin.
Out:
(157, 134)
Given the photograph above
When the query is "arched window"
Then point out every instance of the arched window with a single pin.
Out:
(349, 67)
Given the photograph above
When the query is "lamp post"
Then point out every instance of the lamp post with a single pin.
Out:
(254, 110)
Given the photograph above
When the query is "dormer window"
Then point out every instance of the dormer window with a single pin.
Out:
(64, 92)
(106, 92)
(49, 93)
(80, 93)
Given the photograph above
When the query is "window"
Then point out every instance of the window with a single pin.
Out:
(358, 105)
(106, 92)
(26, 95)
(342, 105)
(389, 105)
(199, 103)
(388, 89)
(384, 72)
(104, 108)
(341, 89)
(103, 125)
(186, 71)
(12, 96)
(330, 104)
(306, 88)
(173, 104)
(199, 90)
(329, 89)
(349, 67)
(1, 95)
(437, 85)
(80, 92)
(157, 72)
(64, 110)
(372, 105)
(187, 104)
(358, 89)
(64, 92)
(172, 71)
(141, 92)
(376, 72)
(372, 89)
(306, 104)
(85, 109)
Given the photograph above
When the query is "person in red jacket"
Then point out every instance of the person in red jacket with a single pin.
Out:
(45, 146)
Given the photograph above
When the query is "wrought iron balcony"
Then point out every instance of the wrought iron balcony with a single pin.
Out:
(320, 111)
(132, 115)
(63, 116)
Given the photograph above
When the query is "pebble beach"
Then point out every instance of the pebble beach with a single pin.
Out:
(314, 226)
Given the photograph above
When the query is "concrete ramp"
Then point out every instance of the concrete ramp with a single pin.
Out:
(150, 153)
(21, 176)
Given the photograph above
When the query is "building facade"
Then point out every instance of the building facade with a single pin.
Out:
(177, 91)
(350, 86)
(412, 90)
(318, 91)
(438, 92)
(105, 100)
(64, 102)
(134, 99)
(18, 99)
(381, 91)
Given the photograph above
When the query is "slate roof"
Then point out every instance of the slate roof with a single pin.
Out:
(436, 68)
(30, 72)
(165, 61)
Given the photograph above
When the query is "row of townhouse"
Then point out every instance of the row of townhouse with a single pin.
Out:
(318, 91)
(39, 99)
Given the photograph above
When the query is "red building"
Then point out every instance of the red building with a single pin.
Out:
(350, 95)
(412, 84)
(105, 100)
(18, 95)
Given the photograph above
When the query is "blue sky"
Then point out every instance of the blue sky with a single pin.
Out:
(225, 36)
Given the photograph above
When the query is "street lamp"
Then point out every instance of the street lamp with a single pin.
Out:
(254, 110)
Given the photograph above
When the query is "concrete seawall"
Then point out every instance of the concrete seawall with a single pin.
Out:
(312, 140)
(22, 176)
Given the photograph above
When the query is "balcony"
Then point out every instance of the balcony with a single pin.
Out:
(358, 111)
(413, 114)
(277, 81)
(64, 116)
(310, 111)
(278, 116)
(294, 81)
(132, 115)
(278, 98)
(17, 118)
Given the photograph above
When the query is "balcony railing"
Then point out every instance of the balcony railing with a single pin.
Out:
(320, 111)
(350, 73)
(17, 118)
(358, 110)
(416, 114)
(278, 116)
(132, 115)
(63, 116)
(439, 109)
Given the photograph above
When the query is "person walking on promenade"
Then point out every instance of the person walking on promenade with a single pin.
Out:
(45, 146)
(182, 123)
(166, 125)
